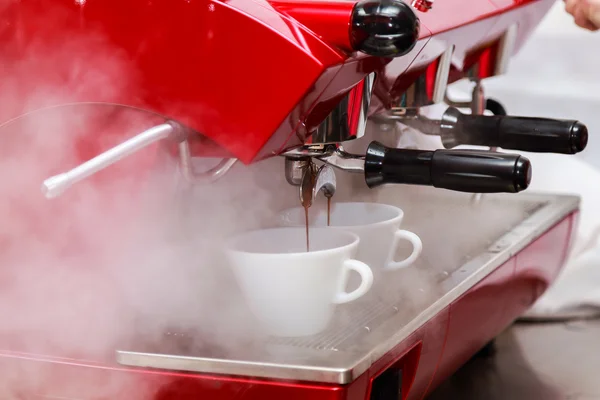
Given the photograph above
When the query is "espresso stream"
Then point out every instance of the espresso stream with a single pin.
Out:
(328, 211)
(306, 221)
(307, 236)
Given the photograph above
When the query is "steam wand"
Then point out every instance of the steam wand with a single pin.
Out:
(58, 184)
(211, 175)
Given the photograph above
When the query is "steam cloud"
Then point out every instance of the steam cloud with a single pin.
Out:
(114, 262)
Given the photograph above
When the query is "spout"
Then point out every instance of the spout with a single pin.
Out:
(295, 168)
(316, 180)
(325, 182)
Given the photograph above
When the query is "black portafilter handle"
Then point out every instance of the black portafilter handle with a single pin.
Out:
(472, 171)
(536, 135)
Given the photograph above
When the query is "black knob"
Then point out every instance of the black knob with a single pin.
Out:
(383, 28)
(579, 137)
(472, 171)
(537, 135)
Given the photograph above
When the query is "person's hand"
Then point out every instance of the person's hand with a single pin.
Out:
(585, 12)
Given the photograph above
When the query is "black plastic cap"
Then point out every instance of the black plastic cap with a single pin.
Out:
(579, 137)
(384, 28)
(523, 174)
(374, 164)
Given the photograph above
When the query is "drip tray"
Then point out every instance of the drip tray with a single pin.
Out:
(481, 237)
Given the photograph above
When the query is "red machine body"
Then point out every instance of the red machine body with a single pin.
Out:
(256, 77)
(253, 76)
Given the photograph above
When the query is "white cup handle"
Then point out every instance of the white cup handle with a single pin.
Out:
(366, 282)
(417, 249)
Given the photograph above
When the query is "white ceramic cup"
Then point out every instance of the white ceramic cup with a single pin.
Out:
(291, 291)
(377, 226)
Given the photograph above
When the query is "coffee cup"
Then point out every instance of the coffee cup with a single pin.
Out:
(377, 226)
(291, 291)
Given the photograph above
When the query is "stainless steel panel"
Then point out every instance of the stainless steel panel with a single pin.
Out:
(481, 237)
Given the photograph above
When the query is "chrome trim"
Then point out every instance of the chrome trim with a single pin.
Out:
(294, 169)
(413, 120)
(478, 99)
(506, 49)
(417, 95)
(334, 156)
(348, 120)
(345, 161)
(194, 177)
(442, 76)
(478, 108)
(303, 152)
(304, 173)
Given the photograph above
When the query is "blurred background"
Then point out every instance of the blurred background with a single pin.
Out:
(557, 75)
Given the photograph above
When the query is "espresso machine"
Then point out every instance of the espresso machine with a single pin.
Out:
(297, 81)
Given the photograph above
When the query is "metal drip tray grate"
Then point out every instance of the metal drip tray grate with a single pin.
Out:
(347, 324)
(365, 330)
(387, 301)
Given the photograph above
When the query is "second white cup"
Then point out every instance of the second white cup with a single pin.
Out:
(377, 226)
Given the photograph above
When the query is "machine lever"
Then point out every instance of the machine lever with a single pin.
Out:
(538, 135)
(472, 171)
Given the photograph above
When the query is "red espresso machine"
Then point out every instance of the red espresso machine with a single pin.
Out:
(296, 80)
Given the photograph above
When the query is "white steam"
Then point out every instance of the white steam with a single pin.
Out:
(119, 259)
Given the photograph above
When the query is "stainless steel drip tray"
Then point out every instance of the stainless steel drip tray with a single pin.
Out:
(476, 239)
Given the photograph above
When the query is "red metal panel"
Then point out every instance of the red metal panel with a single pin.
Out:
(419, 371)
(246, 74)
(57, 378)
(170, 48)
(538, 266)
(483, 312)
(465, 40)
(475, 318)
(446, 15)
(528, 15)
(329, 20)
(434, 340)
(505, 4)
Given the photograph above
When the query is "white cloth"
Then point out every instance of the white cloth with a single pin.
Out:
(576, 292)
(538, 92)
